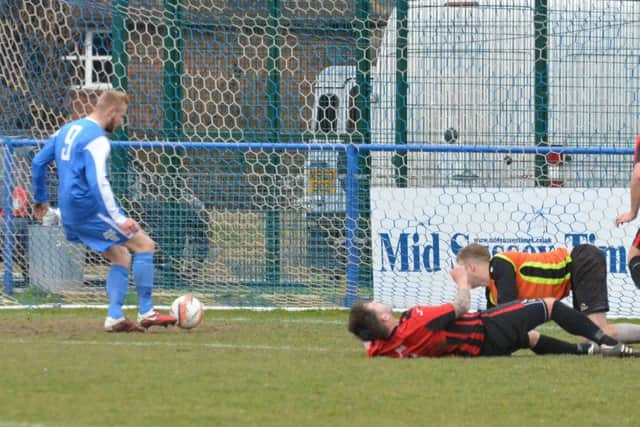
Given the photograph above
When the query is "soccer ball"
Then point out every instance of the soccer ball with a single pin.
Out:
(188, 310)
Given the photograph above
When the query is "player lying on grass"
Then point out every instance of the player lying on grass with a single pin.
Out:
(90, 213)
(512, 275)
(448, 330)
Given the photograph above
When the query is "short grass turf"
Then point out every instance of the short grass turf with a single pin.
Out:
(241, 368)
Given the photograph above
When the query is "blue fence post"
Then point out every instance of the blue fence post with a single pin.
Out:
(353, 251)
(7, 226)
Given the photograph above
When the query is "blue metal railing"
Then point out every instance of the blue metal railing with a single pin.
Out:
(352, 151)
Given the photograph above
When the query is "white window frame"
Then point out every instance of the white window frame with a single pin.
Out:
(87, 57)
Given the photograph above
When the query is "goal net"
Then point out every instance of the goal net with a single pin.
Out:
(290, 153)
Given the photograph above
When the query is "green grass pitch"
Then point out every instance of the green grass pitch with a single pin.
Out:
(57, 368)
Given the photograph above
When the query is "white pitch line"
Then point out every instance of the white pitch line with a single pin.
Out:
(214, 346)
(300, 321)
(5, 423)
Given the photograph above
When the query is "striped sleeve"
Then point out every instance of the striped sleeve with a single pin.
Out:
(96, 154)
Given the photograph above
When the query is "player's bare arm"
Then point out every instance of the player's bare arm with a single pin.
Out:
(634, 185)
(462, 302)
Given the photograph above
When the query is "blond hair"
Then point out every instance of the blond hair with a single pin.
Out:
(473, 252)
(111, 98)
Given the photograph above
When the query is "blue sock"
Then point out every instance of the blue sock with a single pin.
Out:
(117, 288)
(143, 278)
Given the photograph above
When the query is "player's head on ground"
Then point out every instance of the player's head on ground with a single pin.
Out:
(370, 320)
(475, 259)
(111, 109)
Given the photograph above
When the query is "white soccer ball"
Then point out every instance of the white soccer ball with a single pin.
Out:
(188, 310)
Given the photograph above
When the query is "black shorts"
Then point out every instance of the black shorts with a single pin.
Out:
(589, 279)
(507, 326)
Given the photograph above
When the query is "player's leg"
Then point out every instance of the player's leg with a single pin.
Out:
(117, 290)
(589, 279)
(623, 332)
(106, 238)
(509, 327)
(543, 344)
(589, 285)
(117, 279)
(143, 248)
(577, 323)
(538, 312)
(600, 319)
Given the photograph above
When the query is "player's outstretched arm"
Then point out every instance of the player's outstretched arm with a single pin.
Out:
(462, 302)
(39, 175)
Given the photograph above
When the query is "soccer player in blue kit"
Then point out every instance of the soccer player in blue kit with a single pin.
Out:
(90, 213)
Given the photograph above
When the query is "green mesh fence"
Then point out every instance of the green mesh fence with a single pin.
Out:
(264, 227)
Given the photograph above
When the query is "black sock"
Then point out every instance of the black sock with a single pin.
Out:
(602, 338)
(549, 345)
(577, 323)
(634, 269)
(584, 347)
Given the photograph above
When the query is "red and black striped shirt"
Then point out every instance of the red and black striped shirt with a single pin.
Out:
(432, 332)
